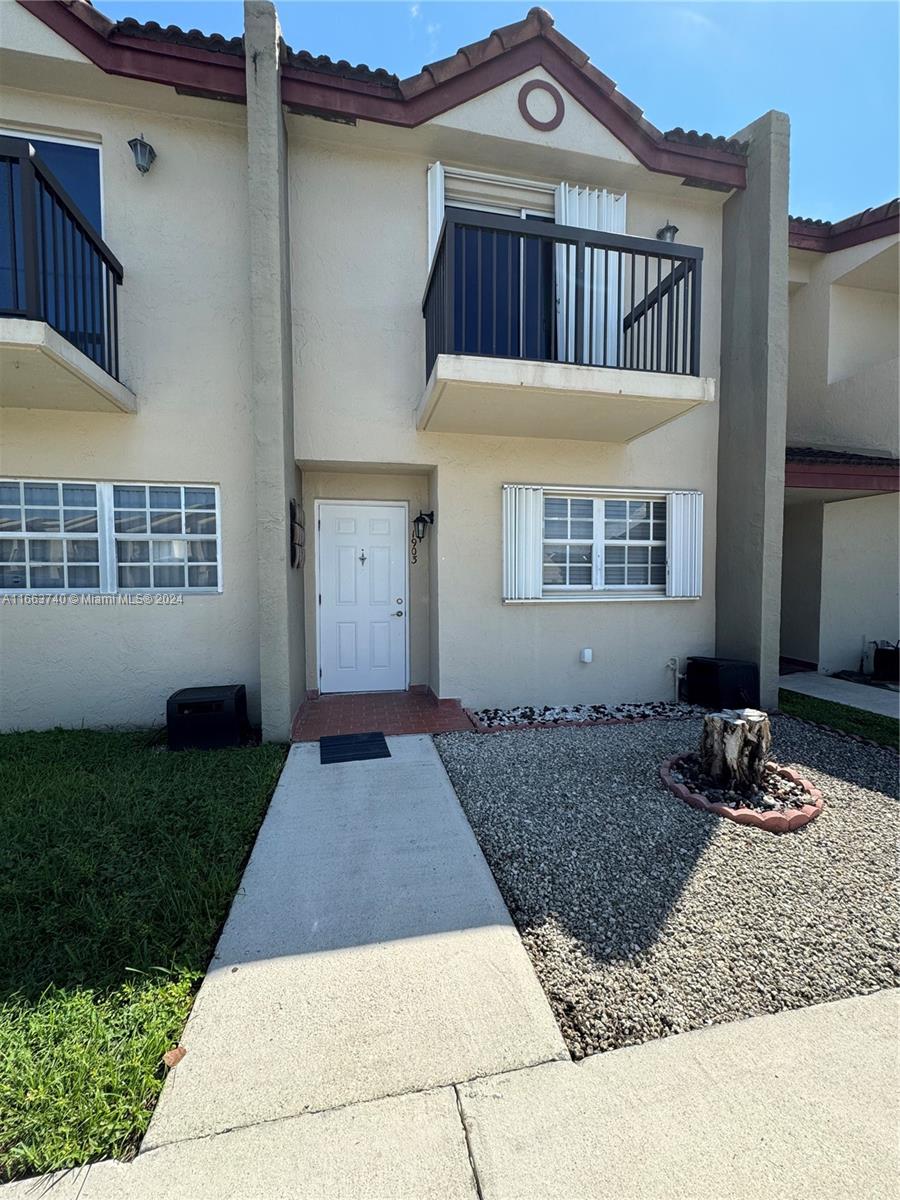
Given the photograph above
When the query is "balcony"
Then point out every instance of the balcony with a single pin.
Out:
(58, 295)
(540, 330)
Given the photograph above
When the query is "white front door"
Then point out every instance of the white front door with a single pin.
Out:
(362, 596)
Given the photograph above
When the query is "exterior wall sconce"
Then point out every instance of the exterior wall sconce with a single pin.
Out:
(421, 523)
(668, 232)
(143, 152)
(420, 528)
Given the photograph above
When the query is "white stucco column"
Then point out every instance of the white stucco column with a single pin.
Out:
(280, 589)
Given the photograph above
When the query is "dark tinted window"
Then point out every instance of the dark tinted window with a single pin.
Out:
(78, 169)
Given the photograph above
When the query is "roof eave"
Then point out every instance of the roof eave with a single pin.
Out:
(188, 69)
(194, 70)
(305, 90)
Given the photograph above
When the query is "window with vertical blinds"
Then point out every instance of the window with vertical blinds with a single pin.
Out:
(600, 543)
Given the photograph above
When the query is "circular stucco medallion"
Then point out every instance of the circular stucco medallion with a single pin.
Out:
(538, 85)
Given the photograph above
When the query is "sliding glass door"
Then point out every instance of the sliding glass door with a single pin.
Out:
(505, 293)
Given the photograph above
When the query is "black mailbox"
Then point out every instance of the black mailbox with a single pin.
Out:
(207, 718)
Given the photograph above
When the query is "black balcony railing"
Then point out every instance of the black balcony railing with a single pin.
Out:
(54, 266)
(529, 289)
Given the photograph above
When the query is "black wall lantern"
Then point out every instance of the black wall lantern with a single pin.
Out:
(421, 523)
(143, 152)
(668, 232)
(420, 527)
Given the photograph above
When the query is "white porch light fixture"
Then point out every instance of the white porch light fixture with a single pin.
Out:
(143, 152)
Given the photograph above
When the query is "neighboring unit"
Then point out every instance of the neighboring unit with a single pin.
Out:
(491, 296)
(840, 591)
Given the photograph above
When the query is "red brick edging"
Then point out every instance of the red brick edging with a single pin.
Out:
(773, 822)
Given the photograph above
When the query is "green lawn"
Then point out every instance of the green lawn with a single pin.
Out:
(118, 861)
(884, 730)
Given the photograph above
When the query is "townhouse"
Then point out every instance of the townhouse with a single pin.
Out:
(842, 511)
(324, 381)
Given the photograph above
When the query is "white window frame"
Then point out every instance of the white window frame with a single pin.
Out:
(150, 538)
(107, 537)
(598, 543)
(55, 536)
(522, 546)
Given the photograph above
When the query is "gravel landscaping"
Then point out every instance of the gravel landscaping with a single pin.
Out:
(644, 917)
(580, 714)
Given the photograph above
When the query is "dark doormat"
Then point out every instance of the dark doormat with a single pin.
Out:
(352, 747)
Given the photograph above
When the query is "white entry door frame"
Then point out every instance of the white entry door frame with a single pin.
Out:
(362, 595)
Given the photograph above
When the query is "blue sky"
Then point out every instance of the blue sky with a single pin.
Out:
(712, 66)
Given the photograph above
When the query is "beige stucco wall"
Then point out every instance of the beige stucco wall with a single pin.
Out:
(19, 30)
(862, 330)
(181, 235)
(860, 574)
(358, 220)
(496, 654)
(388, 486)
(843, 376)
(495, 115)
(801, 581)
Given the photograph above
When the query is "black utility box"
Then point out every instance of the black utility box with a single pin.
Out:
(207, 718)
(722, 683)
(886, 665)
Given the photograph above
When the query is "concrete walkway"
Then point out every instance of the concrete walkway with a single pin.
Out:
(799, 1106)
(368, 953)
(371, 1029)
(843, 691)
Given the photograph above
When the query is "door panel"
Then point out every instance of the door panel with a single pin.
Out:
(362, 585)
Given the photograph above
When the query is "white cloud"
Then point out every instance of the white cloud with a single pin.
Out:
(697, 20)
(414, 10)
(688, 27)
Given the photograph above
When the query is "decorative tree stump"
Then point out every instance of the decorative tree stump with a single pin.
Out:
(735, 747)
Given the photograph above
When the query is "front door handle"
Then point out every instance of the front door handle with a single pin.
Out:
(398, 614)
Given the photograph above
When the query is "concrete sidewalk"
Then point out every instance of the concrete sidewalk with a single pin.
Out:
(843, 691)
(368, 953)
(799, 1106)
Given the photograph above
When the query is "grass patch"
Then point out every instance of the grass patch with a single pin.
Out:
(117, 865)
(874, 726)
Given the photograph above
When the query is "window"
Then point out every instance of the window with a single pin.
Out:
(599, 544)
(77, 167)
(103, 537)
(568, 542)
(49, 536)
(539, 277)
(165, 536)
(634, 543)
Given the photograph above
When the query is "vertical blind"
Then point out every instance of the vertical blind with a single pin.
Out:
(523, 542)
(523, 538)
(589, 208)
(684, 544)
